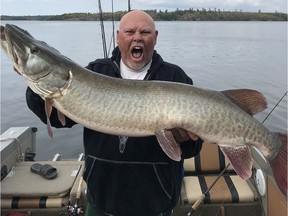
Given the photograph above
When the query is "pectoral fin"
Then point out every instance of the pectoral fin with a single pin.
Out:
(48, 111)
(61, 117)
(169, 144)
(240, 159)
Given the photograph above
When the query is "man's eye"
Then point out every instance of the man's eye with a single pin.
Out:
(145, 33)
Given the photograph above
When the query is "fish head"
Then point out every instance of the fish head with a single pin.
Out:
(25, 52)
(35, 60)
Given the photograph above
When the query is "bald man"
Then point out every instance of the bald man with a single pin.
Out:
(130, 176)
(136, 39)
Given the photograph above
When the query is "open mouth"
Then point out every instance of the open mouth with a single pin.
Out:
(16, 59)
(6, 44)
(137, 52)
(14, 54)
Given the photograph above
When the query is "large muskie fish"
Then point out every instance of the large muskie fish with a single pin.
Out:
(142, 108)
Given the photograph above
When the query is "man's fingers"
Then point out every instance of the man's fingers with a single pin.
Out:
(182, 135)
(193, 136)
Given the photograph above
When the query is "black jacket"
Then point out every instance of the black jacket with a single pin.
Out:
(135, 177)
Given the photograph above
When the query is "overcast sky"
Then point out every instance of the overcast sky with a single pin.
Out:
(55, 7)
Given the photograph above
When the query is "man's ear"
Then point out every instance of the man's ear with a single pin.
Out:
(156, 35)
(117, 36)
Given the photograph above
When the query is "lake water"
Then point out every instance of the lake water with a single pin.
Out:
(216, 55)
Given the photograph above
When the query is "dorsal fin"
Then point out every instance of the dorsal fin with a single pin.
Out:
(249, 100)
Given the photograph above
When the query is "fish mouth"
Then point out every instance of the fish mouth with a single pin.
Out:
(22, 50)
(16, 56)
(14, 50)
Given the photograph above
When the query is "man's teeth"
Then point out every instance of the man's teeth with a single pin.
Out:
(137, 52)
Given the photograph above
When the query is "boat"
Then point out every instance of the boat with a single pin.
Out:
(210, 185)
(26, 192)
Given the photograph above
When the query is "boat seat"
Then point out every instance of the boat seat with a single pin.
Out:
(230, 190)
(22, 189)
(209, 160)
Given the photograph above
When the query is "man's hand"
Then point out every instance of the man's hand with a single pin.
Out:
(182, 135)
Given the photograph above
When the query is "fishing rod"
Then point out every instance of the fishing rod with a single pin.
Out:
(202, 197)
(113, 31)
(129, 6)
(274, 107)
(76, 209)
(113, 25)
(102, 30)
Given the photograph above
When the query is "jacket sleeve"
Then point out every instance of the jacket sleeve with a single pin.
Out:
(37, 105)
(191, 148)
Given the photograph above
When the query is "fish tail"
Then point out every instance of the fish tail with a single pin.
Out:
(279, 164)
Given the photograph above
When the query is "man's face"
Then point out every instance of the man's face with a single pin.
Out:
(136, 39)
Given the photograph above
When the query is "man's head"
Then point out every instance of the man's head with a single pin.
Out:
(136, 39)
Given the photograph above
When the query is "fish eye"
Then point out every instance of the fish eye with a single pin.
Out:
(34, 50)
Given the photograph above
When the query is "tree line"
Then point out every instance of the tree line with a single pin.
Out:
(158, 15)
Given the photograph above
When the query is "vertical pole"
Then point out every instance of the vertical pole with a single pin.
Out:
(102, 30)
(129, 6)
(113, 25)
